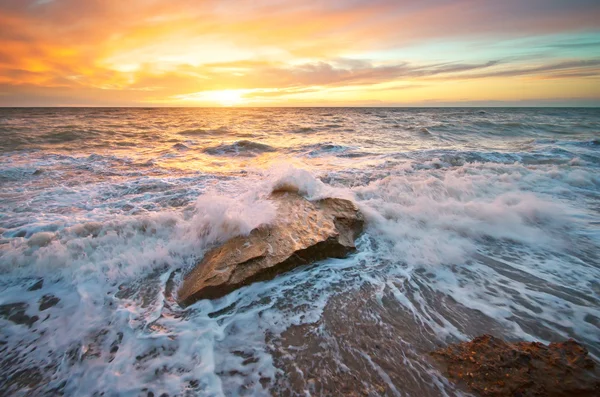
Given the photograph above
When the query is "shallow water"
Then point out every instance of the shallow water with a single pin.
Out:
(478, 221)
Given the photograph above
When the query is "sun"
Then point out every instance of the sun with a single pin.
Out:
(217, 97)
(226, 97)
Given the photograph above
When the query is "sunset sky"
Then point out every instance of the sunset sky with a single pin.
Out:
(299, 53)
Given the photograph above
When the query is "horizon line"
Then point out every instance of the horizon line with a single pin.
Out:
(302, 107)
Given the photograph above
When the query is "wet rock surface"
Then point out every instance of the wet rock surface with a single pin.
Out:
(303, 232)
(16, 312)
(489, 366)
(358, 347)
(47, 301)
(37, 285)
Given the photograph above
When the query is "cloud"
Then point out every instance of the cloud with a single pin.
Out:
(576, 68)
(152, 51)
(573, 45)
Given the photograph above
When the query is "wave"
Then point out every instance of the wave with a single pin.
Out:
(67, 136)
(18, 173)
(196, 132)
(450, 158)
(240, 148)
(355, 154)
(424, 131)
(206, 132)
(303, 130)
(593, 142)
(325, 148)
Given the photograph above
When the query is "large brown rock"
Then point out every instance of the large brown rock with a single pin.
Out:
(492, 367)
(303, 232)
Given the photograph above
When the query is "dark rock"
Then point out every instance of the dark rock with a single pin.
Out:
(20, 380)
(15, 312)
(127, 207)
(47, 301)
(491, 367)
(303, 232)
(38, 285)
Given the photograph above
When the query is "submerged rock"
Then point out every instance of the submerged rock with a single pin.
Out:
(491, 367)
(16, 312)
(47, 301)
(37, 285)
(303, 232)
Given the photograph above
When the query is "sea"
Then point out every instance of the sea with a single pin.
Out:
(478, 221)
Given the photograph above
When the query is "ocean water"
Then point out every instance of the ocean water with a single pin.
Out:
(478, 221)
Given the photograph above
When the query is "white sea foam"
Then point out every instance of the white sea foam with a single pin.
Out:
(419, 218)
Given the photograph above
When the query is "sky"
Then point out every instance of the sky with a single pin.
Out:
(299, 53)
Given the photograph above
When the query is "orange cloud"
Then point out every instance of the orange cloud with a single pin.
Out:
(268, 52)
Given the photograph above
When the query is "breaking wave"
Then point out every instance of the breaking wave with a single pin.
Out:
(239, 148)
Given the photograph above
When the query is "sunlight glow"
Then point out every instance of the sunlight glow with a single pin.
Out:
(226, 97)
(216, 97)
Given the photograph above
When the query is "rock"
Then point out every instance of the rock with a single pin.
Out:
(15, 312)
(491, 367)
(303, 232)
(37, 285)
(47, 301)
